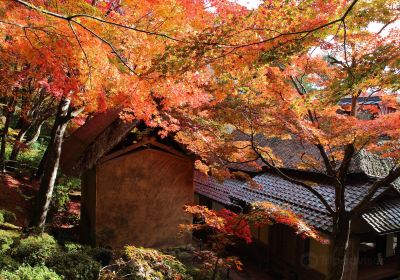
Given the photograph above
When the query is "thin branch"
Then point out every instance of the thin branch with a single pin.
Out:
(83, 50)
(386, 25)
(306, 32)
(153, 33)
(297, 182)
(392, 176)
(108, 44)
(327, 163)
(345, 43)
(12, 23)
(71, 17)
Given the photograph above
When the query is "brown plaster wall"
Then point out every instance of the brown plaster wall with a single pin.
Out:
(140, 197)
(88, 207)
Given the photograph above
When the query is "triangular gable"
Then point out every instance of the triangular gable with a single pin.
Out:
(151, 142)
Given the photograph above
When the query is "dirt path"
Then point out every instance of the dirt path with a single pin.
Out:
(16, 196)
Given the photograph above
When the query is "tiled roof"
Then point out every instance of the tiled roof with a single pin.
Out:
(218, 191)
(369, 100)
(291, 151)
(82, 137)
(384, 217)
(280, 192)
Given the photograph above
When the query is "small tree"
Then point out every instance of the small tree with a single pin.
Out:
(221, 229)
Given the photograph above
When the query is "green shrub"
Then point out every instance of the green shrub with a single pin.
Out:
(27, 272)
(74, 247)
(8, 263)
(65, 184)
(7, 238)
(60, 197)
(7, 216)
(102, 255)
(74, 266)
(5, 244)
(143, 264)
(33, 154)
(35, 250)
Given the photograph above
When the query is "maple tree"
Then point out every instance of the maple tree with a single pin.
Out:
(60, 54)
(290, 88)
(225, 227)
(210, 67)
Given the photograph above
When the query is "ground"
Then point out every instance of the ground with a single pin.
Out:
(16, 195)
(250, 272)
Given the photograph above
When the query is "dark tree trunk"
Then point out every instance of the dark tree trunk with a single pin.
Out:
(18, 143)
(51, 165)
(36, 135)
(9, 112)
(42, 162)
(339, 246)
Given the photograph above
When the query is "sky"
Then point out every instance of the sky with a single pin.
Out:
(251, 4)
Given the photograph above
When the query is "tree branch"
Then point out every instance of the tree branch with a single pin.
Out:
(294, 181)
(120, 58)
(83, 50)
(390, 178)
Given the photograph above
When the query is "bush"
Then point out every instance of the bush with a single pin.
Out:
(8, 263)
(74, 265)
(143, 264)
(71, 247)
(33, 155)
(60, 197)
(27, 272)
(35, 250)
(7, 217)
(61, 191)
(102, 255)
(5, 244)
(7, 238)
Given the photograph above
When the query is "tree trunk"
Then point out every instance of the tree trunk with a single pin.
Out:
(9, 112)
(214, 275)
(51, 166)
(36, 135)
(18, 143)
(42, 162)
(339, 246)
(40, 169)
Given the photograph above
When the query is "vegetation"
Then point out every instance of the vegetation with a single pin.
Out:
(42, 257)
(27, 272)
(144, 263)
(7, 217)
(203, 72)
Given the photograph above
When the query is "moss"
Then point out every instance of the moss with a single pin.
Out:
(35, 250)
(74, 266)
(7, 216)
(143, 264)
(27, 272)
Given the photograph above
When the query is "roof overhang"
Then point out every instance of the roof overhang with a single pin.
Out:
(384, 217)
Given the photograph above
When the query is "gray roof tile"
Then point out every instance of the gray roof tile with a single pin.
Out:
(280, 192)
(384, 217)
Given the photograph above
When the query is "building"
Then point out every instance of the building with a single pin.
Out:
(374, 253)
(133, 187)
(368, 107)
